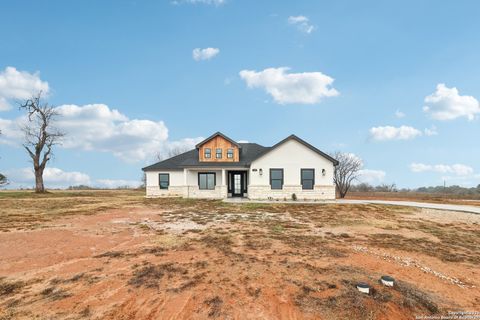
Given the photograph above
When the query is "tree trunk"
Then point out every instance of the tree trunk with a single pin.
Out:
(39, 187)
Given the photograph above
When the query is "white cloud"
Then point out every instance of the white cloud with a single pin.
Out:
(456, 169)
(206, 2)
(16, 84)
(394, 133)
(399, 114)
(204, 54)
(11, 133)
(56, 178)
(242, 141)
(302, 23)
(113, 183)
(53, 178)
(96, 127)
(431, 132)
(447, 104)
(371, 176)
(286, 88)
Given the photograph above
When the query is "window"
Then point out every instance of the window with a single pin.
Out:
(208, 153)
(206, 180)
(218, 153)
(276, 178)
(230, 153)
(308, 178)
(164, 180)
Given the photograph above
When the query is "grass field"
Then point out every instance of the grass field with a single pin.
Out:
(117, 255)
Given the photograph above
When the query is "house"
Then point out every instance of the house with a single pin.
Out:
(220, 167)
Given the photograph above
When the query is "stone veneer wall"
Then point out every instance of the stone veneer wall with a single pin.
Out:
(320, 192)
(187, 192)
(220, 192)
(172, 191)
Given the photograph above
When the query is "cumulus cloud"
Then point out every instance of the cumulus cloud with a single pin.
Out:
(96, 127)
(394, 133)
(456, 169)
(399, 114)
(56, 178)
(447, 104)
(11, 133)
(431, 132)
(53, 178)
(371, 176)
(16, 84)
(117, 183)
(287, 88)
(199, 54)
(206, 2)
(302, 23)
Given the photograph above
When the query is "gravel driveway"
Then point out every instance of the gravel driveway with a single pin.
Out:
(439, 206)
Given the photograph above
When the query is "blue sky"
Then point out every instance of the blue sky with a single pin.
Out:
(356, 78)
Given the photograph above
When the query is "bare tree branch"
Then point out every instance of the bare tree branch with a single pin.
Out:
(40, 135)
(346, 172)
(171, 152)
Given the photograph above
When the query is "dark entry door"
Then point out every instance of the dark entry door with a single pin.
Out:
(237, 183)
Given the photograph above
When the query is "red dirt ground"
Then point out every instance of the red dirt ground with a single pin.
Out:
(212, 260)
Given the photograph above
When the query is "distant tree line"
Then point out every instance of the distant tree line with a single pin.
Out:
(454, 189)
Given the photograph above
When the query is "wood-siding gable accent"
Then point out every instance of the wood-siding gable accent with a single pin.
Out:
(222, 143)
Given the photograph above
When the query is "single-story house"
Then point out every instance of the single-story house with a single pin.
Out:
(220, 167)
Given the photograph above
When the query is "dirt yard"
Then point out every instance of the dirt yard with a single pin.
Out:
(116, 255)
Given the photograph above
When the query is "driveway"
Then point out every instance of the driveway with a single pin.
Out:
(439, 206)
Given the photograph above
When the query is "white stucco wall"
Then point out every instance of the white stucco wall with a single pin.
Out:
(175, 189)
(291, 156)
(179, 188)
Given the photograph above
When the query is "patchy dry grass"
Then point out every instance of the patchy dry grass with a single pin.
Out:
(9, 287)
(23, 210)
(233, 259)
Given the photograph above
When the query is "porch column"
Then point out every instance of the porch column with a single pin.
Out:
(224, 178)
(185, 185)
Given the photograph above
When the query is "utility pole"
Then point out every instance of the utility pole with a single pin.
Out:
(444, 188)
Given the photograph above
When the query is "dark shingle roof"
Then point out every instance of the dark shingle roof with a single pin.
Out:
(248, 153)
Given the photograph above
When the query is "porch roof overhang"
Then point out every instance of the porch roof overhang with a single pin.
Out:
(237, 168)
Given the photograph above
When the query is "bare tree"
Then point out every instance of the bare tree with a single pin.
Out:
(172, 152)
(346, 172)
(40, 135)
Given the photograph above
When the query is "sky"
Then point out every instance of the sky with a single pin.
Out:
(394, 83)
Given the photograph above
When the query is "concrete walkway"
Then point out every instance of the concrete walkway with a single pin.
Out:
(427, 205)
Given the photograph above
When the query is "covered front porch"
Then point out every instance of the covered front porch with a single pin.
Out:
(215, 183)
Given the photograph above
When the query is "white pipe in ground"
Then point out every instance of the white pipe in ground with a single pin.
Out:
(363, 287)
(387, 281)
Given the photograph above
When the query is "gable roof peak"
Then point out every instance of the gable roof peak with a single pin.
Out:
(306, 144)
(218, 133)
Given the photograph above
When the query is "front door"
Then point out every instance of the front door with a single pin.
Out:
(237, 183)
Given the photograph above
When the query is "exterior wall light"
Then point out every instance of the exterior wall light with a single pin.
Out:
(260, 171)
(324, 172)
